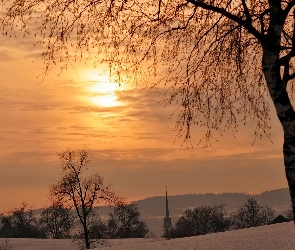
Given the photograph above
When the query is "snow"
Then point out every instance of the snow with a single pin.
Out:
(277, 237)
(39, 244)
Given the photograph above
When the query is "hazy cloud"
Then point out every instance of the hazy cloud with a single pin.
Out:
(4, 56)
(93, 109)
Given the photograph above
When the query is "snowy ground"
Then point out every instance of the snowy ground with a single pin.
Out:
(276, 237)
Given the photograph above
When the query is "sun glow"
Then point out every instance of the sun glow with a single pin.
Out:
(106, 100)
(104, 92)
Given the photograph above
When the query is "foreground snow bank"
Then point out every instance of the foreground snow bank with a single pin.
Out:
(39, 244)
(276, 237)
(273, 237)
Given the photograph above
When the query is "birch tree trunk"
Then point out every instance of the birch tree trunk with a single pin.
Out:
(286, 115)
(277, 84)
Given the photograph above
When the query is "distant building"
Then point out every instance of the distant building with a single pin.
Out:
(279, 219)
(167, 221)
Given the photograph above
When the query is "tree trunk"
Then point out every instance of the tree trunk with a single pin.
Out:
(289, 158)
(86, 235)
(277, 86)
(285, 112)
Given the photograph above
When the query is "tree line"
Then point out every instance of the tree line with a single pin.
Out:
(212, 219)
(58, 222)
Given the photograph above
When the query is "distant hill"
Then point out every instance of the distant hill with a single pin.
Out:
(274, 198)
(155, 206)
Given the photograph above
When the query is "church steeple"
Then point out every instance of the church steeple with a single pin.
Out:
(167, 208)
(167, 220)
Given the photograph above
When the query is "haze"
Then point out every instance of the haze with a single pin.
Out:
(127, 130)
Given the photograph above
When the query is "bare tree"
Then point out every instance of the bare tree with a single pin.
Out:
(20, 223)
(251, 214)
(124, 222)
(57, 221)
(80, 190)
(222, 59)
(200, 221)
(98, 229)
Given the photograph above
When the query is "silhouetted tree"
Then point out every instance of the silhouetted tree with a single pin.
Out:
(57, 221)
(80, 190)
(200, 221)
(20, 223)
(251, 214)
(221, 59)
(124, 222)
(98, 230)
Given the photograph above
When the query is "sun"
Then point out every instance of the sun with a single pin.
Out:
(103, 92)
(106, 100)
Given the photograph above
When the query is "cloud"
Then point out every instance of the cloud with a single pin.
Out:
(94, 109)
(35, 55)
(4, 56)
(39, 106)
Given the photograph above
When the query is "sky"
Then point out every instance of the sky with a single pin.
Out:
(128, 132)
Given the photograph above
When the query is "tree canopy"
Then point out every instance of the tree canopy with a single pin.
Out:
(251, 214)
(20, 223)
(124, 222)
(200, 221)
(57, 221)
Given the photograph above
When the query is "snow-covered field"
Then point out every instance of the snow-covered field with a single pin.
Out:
(276, 237)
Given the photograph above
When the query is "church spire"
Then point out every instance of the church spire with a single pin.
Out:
(167, 208)
(167, 220)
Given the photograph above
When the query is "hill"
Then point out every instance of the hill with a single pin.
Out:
(155, 206)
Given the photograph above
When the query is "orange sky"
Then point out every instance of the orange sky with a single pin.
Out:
(129, 135)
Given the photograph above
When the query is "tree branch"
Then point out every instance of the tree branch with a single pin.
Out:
(244, 23)
(288, 8)
(285, 60)
(247, 13)
(292, 76)
(261, 16)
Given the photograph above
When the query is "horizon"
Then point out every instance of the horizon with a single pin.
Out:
(259, 193)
